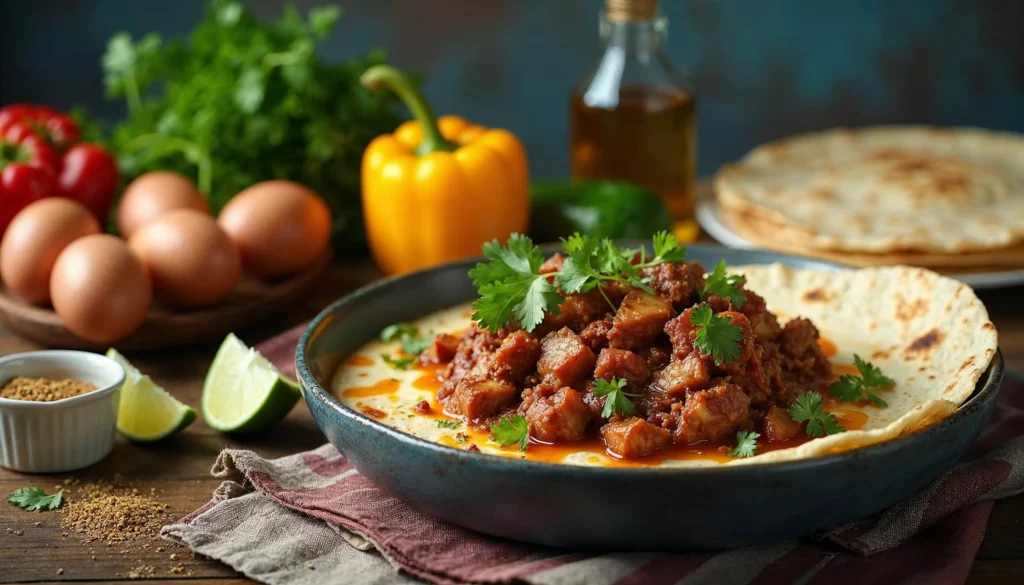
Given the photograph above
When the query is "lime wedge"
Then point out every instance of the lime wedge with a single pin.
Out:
(147, 412)
(244, 392)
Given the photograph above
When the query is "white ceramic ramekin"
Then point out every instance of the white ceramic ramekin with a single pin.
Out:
(52, 437)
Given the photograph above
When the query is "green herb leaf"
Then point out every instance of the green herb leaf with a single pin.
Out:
(449, 424)
(322, 20)
(809, 407)
(850, 388)
(512, 430)
(717, 336)
(616, 398)
(746, 444)
(413, 343)
(667, 249)
(397, 363)
(724, 285)
(872, 375)
(34, 498)
(511, 287)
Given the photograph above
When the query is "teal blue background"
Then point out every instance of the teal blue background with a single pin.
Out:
(762, 69)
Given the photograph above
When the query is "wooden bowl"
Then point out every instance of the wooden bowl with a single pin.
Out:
(164, 327)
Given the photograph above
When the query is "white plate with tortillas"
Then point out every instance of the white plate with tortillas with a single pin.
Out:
(948, 199)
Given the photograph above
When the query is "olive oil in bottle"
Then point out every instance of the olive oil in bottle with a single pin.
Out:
(633, 116)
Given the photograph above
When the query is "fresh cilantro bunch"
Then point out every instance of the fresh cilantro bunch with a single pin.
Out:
(724, 285)
(511, 286)
(512, 430)
(717, 336)
(820, 422)
(616, 398)
(34, 498)
(241, 101)
(850, 388)
(746, 444)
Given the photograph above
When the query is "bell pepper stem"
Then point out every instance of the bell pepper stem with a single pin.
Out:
(386, 76)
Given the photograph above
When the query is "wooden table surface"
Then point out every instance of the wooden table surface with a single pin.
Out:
(179, 468)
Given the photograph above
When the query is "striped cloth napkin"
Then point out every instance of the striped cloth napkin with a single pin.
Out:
(312, 518)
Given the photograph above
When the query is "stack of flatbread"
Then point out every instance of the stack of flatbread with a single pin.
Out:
(943, 198)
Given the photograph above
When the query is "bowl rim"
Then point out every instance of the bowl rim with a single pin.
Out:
(988, 386)
(66, 356)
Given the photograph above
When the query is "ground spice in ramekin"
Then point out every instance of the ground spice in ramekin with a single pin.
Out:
(44, 389)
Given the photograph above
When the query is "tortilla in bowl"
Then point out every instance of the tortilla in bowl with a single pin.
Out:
(535, 496)
(929, 334)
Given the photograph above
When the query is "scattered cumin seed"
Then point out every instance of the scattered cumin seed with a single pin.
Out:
(111, 512)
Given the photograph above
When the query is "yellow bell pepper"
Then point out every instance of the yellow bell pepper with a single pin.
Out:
(436, 190)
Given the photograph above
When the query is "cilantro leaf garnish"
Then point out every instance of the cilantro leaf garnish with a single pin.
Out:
(717, 336)
(850, 388)
(617, 400)
(34, 498)
(413, 343)
(746, 444)
(449, 424)
(512, 430)
(592, 262)
(809, 407)
(724, 285)
(511, 286)
(397, 363)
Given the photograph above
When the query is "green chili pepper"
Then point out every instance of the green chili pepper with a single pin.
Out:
(603, 209)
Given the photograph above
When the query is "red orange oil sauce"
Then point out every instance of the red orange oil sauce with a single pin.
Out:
(717, 451)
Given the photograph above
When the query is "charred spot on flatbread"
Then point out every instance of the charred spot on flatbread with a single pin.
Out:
(923, 345)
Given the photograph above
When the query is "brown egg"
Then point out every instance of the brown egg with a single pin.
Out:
(100, 288)
(153, 194)
(191, 261)
(36, 236)
(280, 227)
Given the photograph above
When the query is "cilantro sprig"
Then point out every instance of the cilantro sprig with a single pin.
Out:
(35, 498)
(850, 388)
(616, 398)
(593, 262)
(717, 336)
(724, 285)
(820, 422)
(512, 430)
(511, 286)
(746, 444)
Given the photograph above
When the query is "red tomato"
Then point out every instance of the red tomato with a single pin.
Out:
(89, 176)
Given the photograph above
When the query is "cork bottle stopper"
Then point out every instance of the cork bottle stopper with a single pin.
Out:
(630, 10)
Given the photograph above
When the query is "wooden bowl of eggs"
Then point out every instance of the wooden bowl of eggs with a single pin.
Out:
(177, 275)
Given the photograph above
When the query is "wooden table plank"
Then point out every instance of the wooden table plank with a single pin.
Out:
(180, 467)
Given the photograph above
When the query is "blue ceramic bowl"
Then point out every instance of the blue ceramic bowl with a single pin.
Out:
(611, 508)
